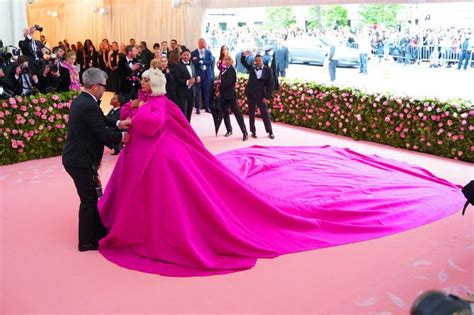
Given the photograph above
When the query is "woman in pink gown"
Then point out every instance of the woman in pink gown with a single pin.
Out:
(175, 209)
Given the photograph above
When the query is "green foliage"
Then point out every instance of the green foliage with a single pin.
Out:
(314, 17)
(33, 127)
(280, 18)
(382, 14)
(335, 16)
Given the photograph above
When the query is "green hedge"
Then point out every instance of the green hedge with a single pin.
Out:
(33, 127)
(428, 125)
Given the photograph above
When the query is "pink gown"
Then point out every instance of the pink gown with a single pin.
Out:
(175, 209)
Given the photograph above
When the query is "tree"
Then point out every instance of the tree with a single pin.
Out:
(314, 17)
(335, 16)
(281, 17)
(383, 14)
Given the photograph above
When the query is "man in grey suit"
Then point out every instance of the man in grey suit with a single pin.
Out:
(282, 58)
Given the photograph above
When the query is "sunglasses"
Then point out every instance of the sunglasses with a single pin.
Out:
(102, 85)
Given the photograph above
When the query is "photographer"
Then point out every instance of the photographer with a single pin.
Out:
(24, 81)
(32, 49)
(54, 76)
(129, 72)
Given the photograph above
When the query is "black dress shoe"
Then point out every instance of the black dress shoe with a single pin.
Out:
(245, 137)
(228, 134)
(88, 246)
(271, 136)
(254, 135)
(198, 112)
(208, 111)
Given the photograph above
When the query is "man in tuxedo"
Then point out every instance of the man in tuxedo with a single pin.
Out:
(259, 90)
(83, 150)
(129, 72)
(117, 101)
(204, 64)
(32, 49)
(185, 76)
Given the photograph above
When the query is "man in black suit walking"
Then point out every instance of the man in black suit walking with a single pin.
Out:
(259, 90)
(185, 76)
(83, 150)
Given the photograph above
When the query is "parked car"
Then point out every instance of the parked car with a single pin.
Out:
(314, 50)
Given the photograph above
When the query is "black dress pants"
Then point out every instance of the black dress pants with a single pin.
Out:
(91, 229)
(263, 111)
(232, 104)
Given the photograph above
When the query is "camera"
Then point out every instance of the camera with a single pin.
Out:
(24, 69)
(7, 52)
(39, 28)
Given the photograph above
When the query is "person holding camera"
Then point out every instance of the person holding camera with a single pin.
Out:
(32, 48)
(129, 72)
(55, 77)
(24, 81)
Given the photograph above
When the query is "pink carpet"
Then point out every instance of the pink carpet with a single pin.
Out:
(42, 271)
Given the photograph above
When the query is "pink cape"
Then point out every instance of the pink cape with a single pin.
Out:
(173, 208)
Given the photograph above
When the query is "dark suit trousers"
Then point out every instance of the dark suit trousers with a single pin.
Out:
(263, 111)
(232, 104)
(186, 103)
(91, 229)
(203, 90)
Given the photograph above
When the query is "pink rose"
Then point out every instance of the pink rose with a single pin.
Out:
(51, 118)
(2, 114)
(14, 144)
(55, 97)
(34, 101)
(12, 101)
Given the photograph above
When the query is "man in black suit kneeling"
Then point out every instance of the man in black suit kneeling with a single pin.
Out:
(83, 150)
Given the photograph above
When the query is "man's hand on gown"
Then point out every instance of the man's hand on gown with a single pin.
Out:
(124, 124)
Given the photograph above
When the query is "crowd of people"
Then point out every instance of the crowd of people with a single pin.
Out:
(194, 79)
(441, 46)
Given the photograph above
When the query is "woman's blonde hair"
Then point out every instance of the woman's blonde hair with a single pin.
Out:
(156, 63)
(157, 80)
(70, 54)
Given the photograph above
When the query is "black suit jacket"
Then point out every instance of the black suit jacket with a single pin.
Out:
(87, 133)
(27, 50)
(181, 76)
(258, 88)
(228, 80)
(170, 83)
(113, 115)
(125, 73)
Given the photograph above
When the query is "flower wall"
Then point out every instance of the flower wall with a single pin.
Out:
(430, 126)
(33, 127)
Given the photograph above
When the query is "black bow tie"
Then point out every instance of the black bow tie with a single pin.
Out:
(258, 68)
(186, 63)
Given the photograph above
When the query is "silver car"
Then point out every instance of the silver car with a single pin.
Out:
(314, 50)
